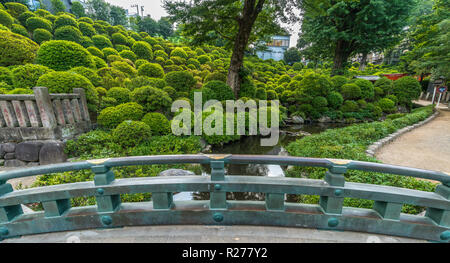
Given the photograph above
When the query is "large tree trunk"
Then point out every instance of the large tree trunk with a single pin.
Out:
(341, 55)
(246, 21)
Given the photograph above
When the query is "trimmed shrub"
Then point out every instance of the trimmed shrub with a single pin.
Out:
(178, 52)
(142, 50)
(24, 16)
(335, 100)
(5, 75)
(6, 19)
(41, 35)
(217, 90)
(121, 95)
(99, 63)
(16, 9)
(178, 60)
(338, 82)
(152, 99)
(151, 70)
(18, 29)
(87, 29)
(131, 133)
(119, 39)
(181, 81)
(216, 76)
(125, 68)
(65, 20)
(16, 49)
(387, 105)
(298, 66)
(314, 85)
(107, 51)
(261, 94)
(111, 77)
(141, 81)
(367, 89)
(21, 91)
(96, 52)
(193, 62)
(319, 102)
(65, 82)
(128, 54)
(68, 33)
(407, 89)
(121, 48)
(64, 55)
(171, 91)
(203, 59)
(113, 116)
(26, 76)
(101, 42)
(161, 53)
(248, 89)
(42, 12)
(385, 84)
(351, 91)
(88, 73)
(158, 123)
(272, 95)
(350, 106)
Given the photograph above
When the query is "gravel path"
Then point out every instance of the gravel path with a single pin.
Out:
(427, 147)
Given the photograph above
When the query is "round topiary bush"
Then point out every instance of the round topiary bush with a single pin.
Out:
(16, 9)
(65, 20)
(319, 102)
(158, 123)
(24, 16)
(350, 106)
(88, 73)
(387, 105)
(338, 81)
(5, 75)
(128, 54)
(217, 90)
(18, 29)
(111, 77)
(203, 59)
(65, 82)
(113, 116)
(386, 84)
(119, 39)
(34, 23)
(298, 66)
(162, 54)
(367, 89)
(152, 99)
(151, 70)
(26, 76)
(41, 35)
(99, 63)
(125, 68)
(121, 95)
(182, 81)
(96, 52)
(248, 88)
(335, 100)
(101, 42)
(406, 90)
(351, 91)
(64, 55)
(261, 94)
(215, 76)
(68, 33)
(16, 49)
(87, 29)
(110, 51)
(143, 50)
(141, 81)
(6, 19)
(131, 133)
(272, 95)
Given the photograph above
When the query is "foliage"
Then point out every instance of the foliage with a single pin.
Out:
(386, 84)
(65, 20)
(6, 19)
(131, 133)
(367, 89)
(152, 99)
(26, 76)
(143, 50)
(151, 70)
(351, 91)
(90, 74)
(101, 42)
(158, 123)
(64, 55)
(16, 49)
(41, 35)
(121, 95)
(217, 90)
(68, 33)
(15, 9)
(407, 89)
(387, 105)
(181, 81)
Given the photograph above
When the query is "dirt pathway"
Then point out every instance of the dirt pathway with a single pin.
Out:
(427, 147)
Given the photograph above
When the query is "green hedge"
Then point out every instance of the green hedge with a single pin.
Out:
(16, 49)
(27, 76)
(152, 99)
(64, 55)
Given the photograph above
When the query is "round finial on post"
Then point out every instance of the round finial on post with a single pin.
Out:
(106, 220)
(218, 217)
(4, 231)
(100, 191)
(445, 235)
(338, 192)
(217, 187)
(333, 222)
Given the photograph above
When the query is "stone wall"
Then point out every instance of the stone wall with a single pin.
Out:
(32, 153)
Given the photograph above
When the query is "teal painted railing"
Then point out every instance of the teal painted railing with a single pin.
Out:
(384, 218)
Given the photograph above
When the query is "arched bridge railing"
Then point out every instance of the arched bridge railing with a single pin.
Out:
(384, 218)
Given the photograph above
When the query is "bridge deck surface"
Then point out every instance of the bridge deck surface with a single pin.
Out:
(209, 234)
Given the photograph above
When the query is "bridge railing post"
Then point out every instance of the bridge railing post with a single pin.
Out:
(440, 216)
(104, 176)
(334, 177)
(8, 213)
(218, 197)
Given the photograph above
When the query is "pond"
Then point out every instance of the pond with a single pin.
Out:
(252, 145)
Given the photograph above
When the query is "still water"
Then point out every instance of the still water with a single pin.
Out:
(252, 145)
